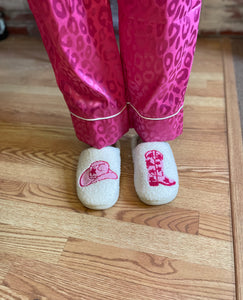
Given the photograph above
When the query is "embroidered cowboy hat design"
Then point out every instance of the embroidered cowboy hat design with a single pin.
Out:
(97, 171)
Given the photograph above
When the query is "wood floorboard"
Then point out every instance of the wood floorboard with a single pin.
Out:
(51, 247)
(235, 161)
(31, 243)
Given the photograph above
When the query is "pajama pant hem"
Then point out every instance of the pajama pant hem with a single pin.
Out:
(106, 131)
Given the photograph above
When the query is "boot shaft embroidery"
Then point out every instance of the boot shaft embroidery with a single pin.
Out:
(154, 164)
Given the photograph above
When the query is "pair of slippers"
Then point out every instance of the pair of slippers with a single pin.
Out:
(155, 175)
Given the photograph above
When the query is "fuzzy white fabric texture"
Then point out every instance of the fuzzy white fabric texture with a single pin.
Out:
(98, 177)
(155, 173)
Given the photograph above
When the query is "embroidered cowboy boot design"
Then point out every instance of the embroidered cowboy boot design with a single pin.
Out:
(154, 164)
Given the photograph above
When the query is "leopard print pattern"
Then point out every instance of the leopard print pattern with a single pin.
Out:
(151, 72)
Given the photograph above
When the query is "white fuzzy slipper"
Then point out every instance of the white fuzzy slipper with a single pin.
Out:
(98, 177)
(155, 173)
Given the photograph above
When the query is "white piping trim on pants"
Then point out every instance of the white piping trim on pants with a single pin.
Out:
(156, 119)
(128, 103)
(103, 118)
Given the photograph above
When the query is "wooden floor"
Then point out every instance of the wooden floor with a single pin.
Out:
(51, 247)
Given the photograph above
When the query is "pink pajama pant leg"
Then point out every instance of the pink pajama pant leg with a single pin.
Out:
(157, 40)
(105, 93)
(80, 41)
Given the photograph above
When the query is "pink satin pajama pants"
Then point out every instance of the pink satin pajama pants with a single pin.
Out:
(140, 87)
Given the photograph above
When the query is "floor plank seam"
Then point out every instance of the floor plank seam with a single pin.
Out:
(228, 66)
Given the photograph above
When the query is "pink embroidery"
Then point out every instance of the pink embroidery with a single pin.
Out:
(98, 170)
(154, 164)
